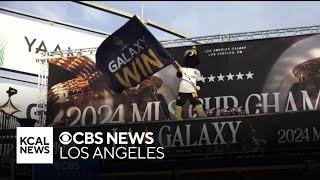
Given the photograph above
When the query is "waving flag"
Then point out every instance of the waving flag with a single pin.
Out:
(131, 55)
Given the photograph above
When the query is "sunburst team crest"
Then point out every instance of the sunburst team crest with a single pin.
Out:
(8, 107)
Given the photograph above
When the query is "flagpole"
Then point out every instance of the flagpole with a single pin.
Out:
(142, 9)
(176, 62)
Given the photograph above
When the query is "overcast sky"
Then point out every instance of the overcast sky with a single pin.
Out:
(192, 18)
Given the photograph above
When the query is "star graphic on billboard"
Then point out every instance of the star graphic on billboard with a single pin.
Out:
(211, 78)
(203, 79)
(220, 77)
(230, 76)
(239, 76)
(249, 75)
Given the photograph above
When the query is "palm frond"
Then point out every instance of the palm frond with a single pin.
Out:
(2, 50)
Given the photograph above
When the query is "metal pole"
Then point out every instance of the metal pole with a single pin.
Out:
(8, 10)
(117, 12)
(142, 9)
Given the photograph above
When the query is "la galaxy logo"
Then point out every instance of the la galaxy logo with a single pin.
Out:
(117, 41)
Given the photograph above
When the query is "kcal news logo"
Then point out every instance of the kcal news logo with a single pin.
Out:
(34, 145)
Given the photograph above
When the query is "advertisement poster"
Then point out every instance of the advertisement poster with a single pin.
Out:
(256, 76)
(22, 41)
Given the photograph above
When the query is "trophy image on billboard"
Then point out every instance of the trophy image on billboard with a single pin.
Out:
(308, 80)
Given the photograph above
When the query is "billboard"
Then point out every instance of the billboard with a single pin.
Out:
(79, 95)
(22, 40)
(258, 76)
(280, 73)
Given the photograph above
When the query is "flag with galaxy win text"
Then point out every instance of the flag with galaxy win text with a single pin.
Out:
(130, 55)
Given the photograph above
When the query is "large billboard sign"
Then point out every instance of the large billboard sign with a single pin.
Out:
(280, 73)
(24, 40)
(256, 76)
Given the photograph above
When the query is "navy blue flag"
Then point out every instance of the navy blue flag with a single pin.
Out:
(131, 55)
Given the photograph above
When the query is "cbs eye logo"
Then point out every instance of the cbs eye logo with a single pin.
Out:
(65, 138)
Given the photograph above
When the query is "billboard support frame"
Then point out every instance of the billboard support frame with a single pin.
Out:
(266, 34)
(43, 88)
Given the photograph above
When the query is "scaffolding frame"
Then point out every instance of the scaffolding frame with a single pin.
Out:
(43, 90)
(244, 36)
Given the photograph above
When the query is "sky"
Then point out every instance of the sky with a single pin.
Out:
(193, 18)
